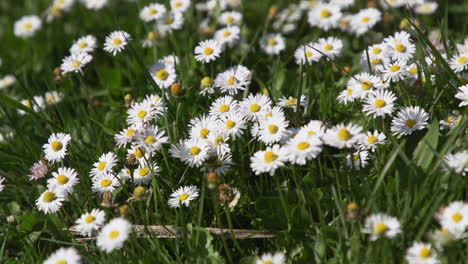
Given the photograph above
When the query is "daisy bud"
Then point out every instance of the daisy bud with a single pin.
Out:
(123, 210)
(128, 100)
(206, 82)
(371, 4)
(272, 12)
(225, 193)
(132, 161)
(107, 200)
(139, 192)
(176, 89)
(212, 179)
(346, 70)
(352, 211)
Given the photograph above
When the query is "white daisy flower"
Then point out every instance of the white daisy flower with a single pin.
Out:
(56, 148)
(152, 12)
(457, 162)
(27, 26)
(357, 160)
(140, 113)
(114, 234)
(379, 103)
(180, 5)
(233, 80)
(291, 102)
(348, 95)
(268, 258)
(381, 225)
(125, 136)
(163, 74)
(315, 128)
(86, 44)
(7, 81)
(53, 97)
(89, 223)
(364, 20)
(139, 153)
(116, 42)
(363, 83)
(105, 183)
(223, 106)
(228, 36)
(454, 217)
(372, 140)
(324, 16)
(207, 50)
(421, 253)
(75, 62)
(400, 46)
(302, 148)
(343, 136)
(233, 123)
(268, 160)
(151, 138)
(378, 51)
(451, 121)
(307, 53)
(95, 4)
(169, 22)
(255, 106)
(426, 8)
(230, 18)
(202, 126)
(462, 95)
(63, 180)
(330, 47)
(104, 165)
(395, 71)
(183, 196)
(144, 173)
(409, 120)
(124, 174)
(272, 130)
(156, 104)
(64, 256)
(195, 152)
(50, 201)
(273, 44)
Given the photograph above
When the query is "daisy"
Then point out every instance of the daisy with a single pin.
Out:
(207, 50)
(125, 136)
(124, 174)
(50, 201)
(38, 170)
(64, 256)
(268, 258)
(379, 103)
(75, 62)
(105, 183)
(307, 53)
(324, 16)
(86, 44)
(343, 136)
(163, 74)
(357, 160)
(144, 173)
(273, 44)
(7, 81)
(151, 138)
(255, 106)
(95, 4)
(53, 97)
(372, 140)
(195, 152)
(376, 51)
(219, 142)
(27, 26)
(63, 180)
(183, 196)
(114, 234)
(139, 114)
(138, 153)
(202, 126)
(233, 80)
(381, 225)
(302, 148)
(233, 123)
(169, 22)
(268, 160)
(426, 8)
(223, 106)
(116, 42)
(228, 36)
(454, 217)
(421, 253)
(364, 20)
(230, 18)
(89, 223)
(156, 104)
(104, 165)
(291, 102)
(330, 47)
(462, 95)
(56, 148)
(207, 86)
(315, 128)
(348, 95)
(272, 130)
(452, 121)
(152, 12)
(400, 46)
(180, 5)
(395, 71)
(363, 83)
(457, 162)
(409, 120)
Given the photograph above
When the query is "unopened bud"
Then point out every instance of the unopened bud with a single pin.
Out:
(176, 89)
(139, 192)
(123, 210)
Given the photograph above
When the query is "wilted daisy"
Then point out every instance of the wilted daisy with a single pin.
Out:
(409, 120)
(457, 162)
(230, 18)
(228, 36)
(357, 160)
(38, 170)
(86, 44)
(114, 234)
(105, 183)
(421, 253)
(364, 20)
(50, 201)
(268, 160)
(273, 44)
(63, 180)
(324, 16)
(330, 47)
(89, 223)
(462, 95)
(104, 164)
(381, 225)
(183, 196)
(394, 71)
(454, 217)
(64, 256)
(459, 62)
(152, 12)
(56, 148)
(379, 103)
(138, 153)
(372, 139)
(27, 26)
(302, 148)
(163, 74)
(268, 258)
(254, 106)
(116, 42)
(75, 62)
(179, 5)
(144, 173)
(233, 80)
(343, 136)
(207, 50)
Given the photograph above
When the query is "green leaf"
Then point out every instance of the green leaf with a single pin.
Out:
(426, 149)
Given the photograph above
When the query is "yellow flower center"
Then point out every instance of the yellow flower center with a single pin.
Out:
(366, 85)
(49, 197)
(379, 103)
(139, 153)
(224, 108)
(462, 60)
(308, 54)
(207, 81)
(410, 123)
(328, 47)
(380, 228)
(143, 172)
(355, 157)
(267, 262)
(231, 80)
(291, 101)
(413, 70)
(311, 133)
(219, 140)
(117, 41)
(204, 132)
(195, 151)
(27, 26)
(230, 124)
(162, 74)
(183, 197)
(105, 183)
(178, 4)
(425, 253)
(89, 219)
(169, 20)
(365, 19)
(272, 42)
(229, 20)
(394, 68)
(152, 11)
(62, 179)
(457, 217)
(376, 61)
(83, 45)
(226, 34)
(208, 51)
(372, 139)
(130, 132)
(56, 145)
(272, 129)
(114, 234)
(344, 134)
(303, 145)
(76, 64)
(101, 165)
(349, 91)
(255, 108)
(141, 114)
(270, 156)
(150, 140)
(325, 13)
(376, 50)
(62, 261)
